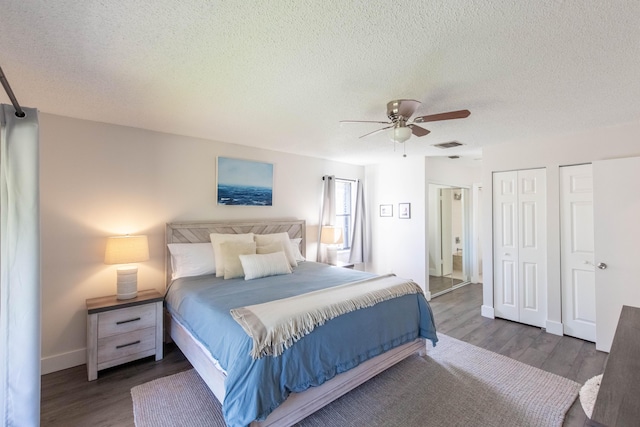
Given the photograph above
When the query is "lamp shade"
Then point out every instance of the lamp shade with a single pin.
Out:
(126, 249)
(400, 133)
(331, 235)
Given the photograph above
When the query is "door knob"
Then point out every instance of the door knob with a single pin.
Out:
(602, 266)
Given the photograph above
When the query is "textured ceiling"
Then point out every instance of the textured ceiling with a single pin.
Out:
(281, 74)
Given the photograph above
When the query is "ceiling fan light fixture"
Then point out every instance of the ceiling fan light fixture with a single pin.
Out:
(400, 133)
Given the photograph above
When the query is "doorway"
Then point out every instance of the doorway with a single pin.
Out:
(449, 238)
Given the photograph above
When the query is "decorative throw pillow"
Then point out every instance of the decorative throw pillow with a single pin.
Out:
(191, 259)
(267, 239)
(263, 265)
(217, 239)
(231, 252)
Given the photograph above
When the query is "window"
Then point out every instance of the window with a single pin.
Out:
(344, 207)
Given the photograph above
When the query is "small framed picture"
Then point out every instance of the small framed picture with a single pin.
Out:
(404, 210)
(386, 210)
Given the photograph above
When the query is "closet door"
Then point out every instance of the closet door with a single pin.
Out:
(519, 241)
(532, 251)
(505, 245)
(577, 252)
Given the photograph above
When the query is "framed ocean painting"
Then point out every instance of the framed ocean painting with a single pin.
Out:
(244, 182)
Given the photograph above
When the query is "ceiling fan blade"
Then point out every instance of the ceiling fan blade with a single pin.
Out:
(364, 121)
(418, 131)
(460, 114)
(376, 131)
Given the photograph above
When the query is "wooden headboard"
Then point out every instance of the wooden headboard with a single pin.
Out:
(198, 232)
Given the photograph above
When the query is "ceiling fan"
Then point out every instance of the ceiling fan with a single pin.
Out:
(400, 111)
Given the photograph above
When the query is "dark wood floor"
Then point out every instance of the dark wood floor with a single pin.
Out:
(68, 399)
(438, 284)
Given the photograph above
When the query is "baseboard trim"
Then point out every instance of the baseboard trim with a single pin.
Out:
(427, 295)
(62, 361)
(554, 328)
(488, 311)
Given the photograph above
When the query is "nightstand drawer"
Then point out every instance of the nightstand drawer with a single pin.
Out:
(124, 345)
(126, 320)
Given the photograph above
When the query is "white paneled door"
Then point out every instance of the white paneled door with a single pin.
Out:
(505, 244)
(519, 206)
(532, 254)
(577, 252)
(617, 242)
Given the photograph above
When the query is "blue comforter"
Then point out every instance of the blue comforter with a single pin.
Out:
(254, 388)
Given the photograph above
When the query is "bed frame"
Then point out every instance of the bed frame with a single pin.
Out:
(298, 405)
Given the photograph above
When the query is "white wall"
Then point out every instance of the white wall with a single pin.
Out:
(398, 244)
(453, 172)
(99, 180)
(401, 245)
(551, 153)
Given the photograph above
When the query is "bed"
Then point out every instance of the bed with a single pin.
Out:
(274, 389)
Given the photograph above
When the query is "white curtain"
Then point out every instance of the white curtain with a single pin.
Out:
(360, 240)
(19, 269)
(327, 211)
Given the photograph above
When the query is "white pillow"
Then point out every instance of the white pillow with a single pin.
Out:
(267, 239)
(295, 247)
(217, 238)
(191, 259)
(263, 265)
(230, 253)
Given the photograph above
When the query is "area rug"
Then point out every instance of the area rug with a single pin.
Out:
(456, 384)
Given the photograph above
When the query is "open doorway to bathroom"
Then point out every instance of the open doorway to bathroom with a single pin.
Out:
(449, 238)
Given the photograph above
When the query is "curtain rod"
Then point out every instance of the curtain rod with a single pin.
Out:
(341, 179)
(12, 97)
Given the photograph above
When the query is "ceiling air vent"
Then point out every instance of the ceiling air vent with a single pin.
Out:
(454, 157)
(448, 144)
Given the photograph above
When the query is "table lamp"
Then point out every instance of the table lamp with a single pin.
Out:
(126, 250)
(331, 236)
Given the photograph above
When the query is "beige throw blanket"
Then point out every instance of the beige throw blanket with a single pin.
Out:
(274, 326)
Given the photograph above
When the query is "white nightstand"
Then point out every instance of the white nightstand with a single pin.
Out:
(119, 331)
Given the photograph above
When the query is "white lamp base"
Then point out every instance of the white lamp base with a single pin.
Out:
(127, 282)
(332, 255)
